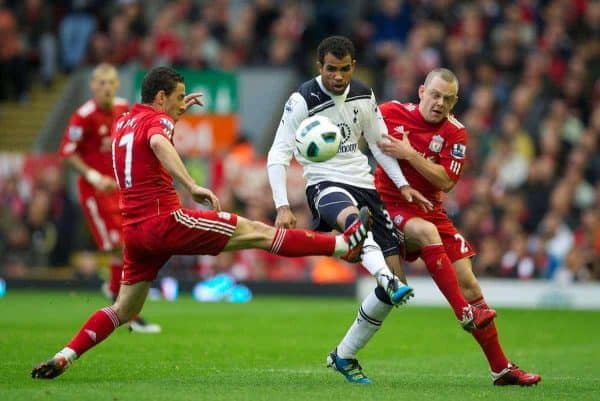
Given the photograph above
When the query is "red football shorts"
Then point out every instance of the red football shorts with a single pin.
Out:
(150, 243)
(101, 210)
(457, 247)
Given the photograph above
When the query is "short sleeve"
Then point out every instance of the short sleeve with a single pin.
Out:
(73, 136)
(162, 125)
(454, 153)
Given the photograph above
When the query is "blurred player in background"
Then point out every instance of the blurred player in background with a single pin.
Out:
(155, 226)
(86, 147)
(430, 144)
(338, 186)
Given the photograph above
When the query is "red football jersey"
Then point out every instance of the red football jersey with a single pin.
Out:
(444, 143)
(146, 188)
(89, 134)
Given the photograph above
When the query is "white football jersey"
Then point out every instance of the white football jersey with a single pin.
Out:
(355, 112)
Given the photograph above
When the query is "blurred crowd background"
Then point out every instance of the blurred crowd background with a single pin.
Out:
(529, 73)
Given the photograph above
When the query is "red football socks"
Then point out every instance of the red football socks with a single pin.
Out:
(296, 242)
(441, 271)
(97, 328)
(489, 342)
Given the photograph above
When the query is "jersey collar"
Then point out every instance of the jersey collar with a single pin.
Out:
(336, 98)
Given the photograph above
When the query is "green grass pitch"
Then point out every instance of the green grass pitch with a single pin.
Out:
(275, 349)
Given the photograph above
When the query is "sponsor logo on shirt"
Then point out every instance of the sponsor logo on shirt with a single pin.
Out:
(436, 144)
(458, 151)
(346, 132)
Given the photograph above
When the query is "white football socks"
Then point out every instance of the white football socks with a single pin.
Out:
(67, 353)
(341, 246)
(373, 259)
(371, 315)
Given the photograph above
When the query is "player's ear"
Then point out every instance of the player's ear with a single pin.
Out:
(159, 98)
(421, 91)
(454, 102)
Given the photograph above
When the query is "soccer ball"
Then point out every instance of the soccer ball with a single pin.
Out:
(318, 139)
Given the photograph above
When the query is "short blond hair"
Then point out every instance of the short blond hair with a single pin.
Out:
(444, 73)
(104, 68)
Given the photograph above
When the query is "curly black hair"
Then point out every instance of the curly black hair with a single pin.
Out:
(339, 46)
(157, 79)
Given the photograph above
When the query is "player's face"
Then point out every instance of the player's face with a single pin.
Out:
(437, 99)
(104, 87)
(336, 73)
(173, 104)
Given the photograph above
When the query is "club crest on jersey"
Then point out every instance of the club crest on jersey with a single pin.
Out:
(458, 151)
(436, 144)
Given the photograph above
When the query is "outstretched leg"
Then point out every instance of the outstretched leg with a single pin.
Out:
(298, 242)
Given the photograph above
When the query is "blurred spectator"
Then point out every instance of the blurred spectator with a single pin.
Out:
(75, 31)
(530, 85)
(13, 63)
(39, 39)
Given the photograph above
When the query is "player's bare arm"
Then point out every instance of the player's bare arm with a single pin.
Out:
(101, 182)
(403, 150)
(168, 157)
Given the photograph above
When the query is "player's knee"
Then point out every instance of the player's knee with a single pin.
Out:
(258, 233)
(423, 231)
(336, 208)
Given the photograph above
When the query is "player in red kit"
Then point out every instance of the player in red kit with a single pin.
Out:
(86, 147)
(430, 145)
(155, 226)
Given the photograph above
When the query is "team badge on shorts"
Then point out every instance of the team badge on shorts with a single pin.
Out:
(436, 144)
(398, 220)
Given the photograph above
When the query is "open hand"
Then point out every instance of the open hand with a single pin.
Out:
(412, 195)
(204, 195)
(398, 148)
(285, 218)
(192, 99)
